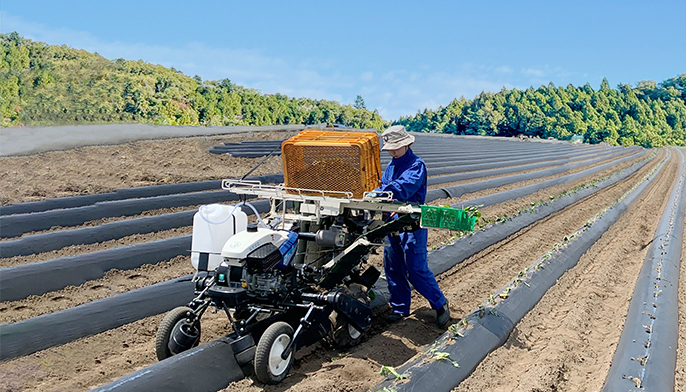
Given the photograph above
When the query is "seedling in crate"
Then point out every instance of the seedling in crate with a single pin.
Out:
(473, 211)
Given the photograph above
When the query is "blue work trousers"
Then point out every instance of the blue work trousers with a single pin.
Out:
(404, 263)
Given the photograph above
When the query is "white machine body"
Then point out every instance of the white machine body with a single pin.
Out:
(240, 245)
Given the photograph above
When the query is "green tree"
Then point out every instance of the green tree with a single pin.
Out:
(43, 84)
(359, 103)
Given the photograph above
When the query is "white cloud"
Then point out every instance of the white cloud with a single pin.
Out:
(533, 72)
(543, 75)
(366, 76)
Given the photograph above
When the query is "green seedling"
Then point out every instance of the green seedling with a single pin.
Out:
(636, 380)
(454, 331)
(337, 357)
(386, 370)
(445, 357)
(463, 323)
(641, 360)
(482, 311)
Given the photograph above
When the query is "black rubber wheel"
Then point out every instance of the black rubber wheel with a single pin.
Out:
(343, 334)
(174, 320)
(270, 368)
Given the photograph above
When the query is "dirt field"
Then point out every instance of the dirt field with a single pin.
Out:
(566, 342)
(89, 170)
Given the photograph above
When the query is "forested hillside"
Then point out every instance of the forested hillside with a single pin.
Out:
(42, 84)
(650, 114)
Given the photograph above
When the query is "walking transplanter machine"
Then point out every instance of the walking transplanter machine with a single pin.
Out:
(300, 275)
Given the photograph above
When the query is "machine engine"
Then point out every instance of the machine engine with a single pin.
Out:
(258, 260)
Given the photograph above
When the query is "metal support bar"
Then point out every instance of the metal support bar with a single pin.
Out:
(360, 241)
(303, 323)
(233, 324)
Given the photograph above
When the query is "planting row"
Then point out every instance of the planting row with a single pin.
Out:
(594, 164)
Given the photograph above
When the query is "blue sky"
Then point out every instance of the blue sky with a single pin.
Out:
(400, 56)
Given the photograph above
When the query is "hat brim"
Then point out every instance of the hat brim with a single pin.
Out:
(398, 143)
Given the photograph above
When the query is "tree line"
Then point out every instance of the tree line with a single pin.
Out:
(44, 84)
(649, 115)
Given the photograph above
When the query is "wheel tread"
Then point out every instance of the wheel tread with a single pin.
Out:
(164, 331)
(261, 361)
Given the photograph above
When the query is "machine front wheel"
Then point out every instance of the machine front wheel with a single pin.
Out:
(270, 367)
(176, 333)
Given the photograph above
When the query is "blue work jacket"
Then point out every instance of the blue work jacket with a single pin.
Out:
(406, 178)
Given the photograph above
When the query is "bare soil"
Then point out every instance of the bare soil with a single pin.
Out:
(95, 360)
(680, 376)
(566, 343)
(99, 169)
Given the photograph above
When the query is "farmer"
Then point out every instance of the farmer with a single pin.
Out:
(405, 259)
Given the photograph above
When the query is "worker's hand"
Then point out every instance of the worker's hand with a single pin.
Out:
(388, 216)
(376, 194)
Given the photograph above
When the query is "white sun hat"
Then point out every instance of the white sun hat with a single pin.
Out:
(396, 137)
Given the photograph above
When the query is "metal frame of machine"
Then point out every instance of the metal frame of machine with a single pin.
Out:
(272, 294)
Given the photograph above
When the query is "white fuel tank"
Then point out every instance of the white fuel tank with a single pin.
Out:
(213, 225)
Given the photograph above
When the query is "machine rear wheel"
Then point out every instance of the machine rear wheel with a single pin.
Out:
(343, 334)
(176, 334)
(270, 368)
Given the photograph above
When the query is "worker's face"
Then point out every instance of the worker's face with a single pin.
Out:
(399, 152)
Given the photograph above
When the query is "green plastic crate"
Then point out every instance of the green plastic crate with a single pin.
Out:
(447, 218)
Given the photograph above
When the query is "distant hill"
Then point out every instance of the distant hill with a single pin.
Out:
(650, 114)
(44, 84)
